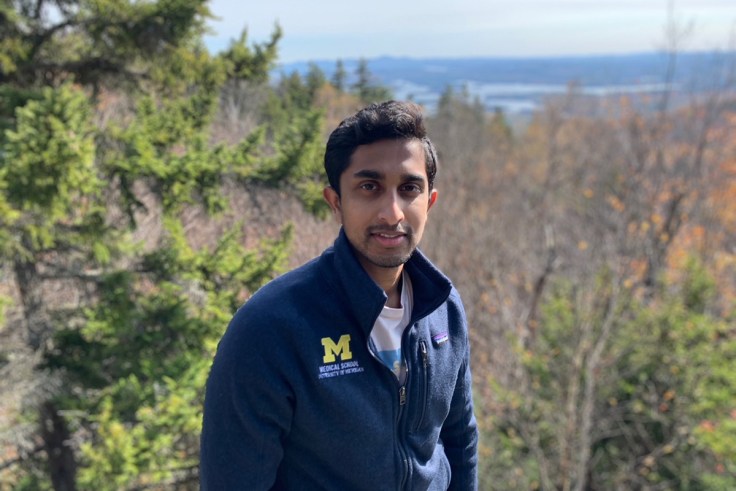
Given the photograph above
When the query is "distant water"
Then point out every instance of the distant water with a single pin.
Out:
(521, 86)
(516, 98)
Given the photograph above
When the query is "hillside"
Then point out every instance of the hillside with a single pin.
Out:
(520, 85)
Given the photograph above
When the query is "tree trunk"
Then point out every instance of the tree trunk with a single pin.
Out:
(31, 295)
(61, 462)
(54, 432)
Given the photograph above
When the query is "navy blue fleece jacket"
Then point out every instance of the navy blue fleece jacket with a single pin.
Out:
(297, 400)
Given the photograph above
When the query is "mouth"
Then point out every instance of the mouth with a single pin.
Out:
(389, 239)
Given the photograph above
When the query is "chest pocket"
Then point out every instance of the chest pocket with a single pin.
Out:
(435, 377)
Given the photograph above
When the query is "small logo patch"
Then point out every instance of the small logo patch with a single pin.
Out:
(440, 338)
(334, 350)
(340, 348)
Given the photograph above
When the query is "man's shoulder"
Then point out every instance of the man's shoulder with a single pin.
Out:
(278, 307)
(454, 296)
(292, 288)
(298, 277)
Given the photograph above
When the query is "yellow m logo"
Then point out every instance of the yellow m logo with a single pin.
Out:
(341, 349)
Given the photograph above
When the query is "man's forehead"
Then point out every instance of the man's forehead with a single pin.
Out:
(383, 152)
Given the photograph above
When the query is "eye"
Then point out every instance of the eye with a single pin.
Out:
(412, 188)
(368, 186)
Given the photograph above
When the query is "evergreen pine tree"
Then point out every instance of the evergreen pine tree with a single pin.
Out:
(365, 89)
(339, 78)
(105, 124)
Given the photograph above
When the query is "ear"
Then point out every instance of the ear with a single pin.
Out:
(432, 198)
(333, 200)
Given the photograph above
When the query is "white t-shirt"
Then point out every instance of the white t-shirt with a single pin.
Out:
(388, 329)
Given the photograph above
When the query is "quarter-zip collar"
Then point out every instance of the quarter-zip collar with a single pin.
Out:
(366, 299)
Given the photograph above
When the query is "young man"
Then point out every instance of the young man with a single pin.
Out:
(352, 371)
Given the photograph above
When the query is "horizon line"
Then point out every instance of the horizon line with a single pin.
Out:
(662, 52)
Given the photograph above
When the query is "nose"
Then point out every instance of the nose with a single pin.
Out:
(391, 210)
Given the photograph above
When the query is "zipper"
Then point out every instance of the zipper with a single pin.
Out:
(404, 456)
(403, 397)
(402, 452)
(425, 381)
(402, 402)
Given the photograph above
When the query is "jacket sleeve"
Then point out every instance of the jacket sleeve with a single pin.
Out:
(247, 411)
(459, 433)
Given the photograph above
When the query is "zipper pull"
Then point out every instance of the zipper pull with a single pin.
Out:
(402, 395)
(423, 350)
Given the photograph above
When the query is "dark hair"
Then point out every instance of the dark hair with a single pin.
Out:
(390, 120)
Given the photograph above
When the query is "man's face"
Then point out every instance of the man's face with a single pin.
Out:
(384, 202)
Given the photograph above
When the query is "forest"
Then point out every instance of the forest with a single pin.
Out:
(148, 187)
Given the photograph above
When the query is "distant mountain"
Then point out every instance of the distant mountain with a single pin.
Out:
(520, 85)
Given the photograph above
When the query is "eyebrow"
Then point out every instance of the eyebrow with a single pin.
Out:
(378, 176)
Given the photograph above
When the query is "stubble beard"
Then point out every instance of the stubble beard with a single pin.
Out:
(389, 261)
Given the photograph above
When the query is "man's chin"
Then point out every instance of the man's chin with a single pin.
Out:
(389, 261)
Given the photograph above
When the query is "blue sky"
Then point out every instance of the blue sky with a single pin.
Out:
(332, 29)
